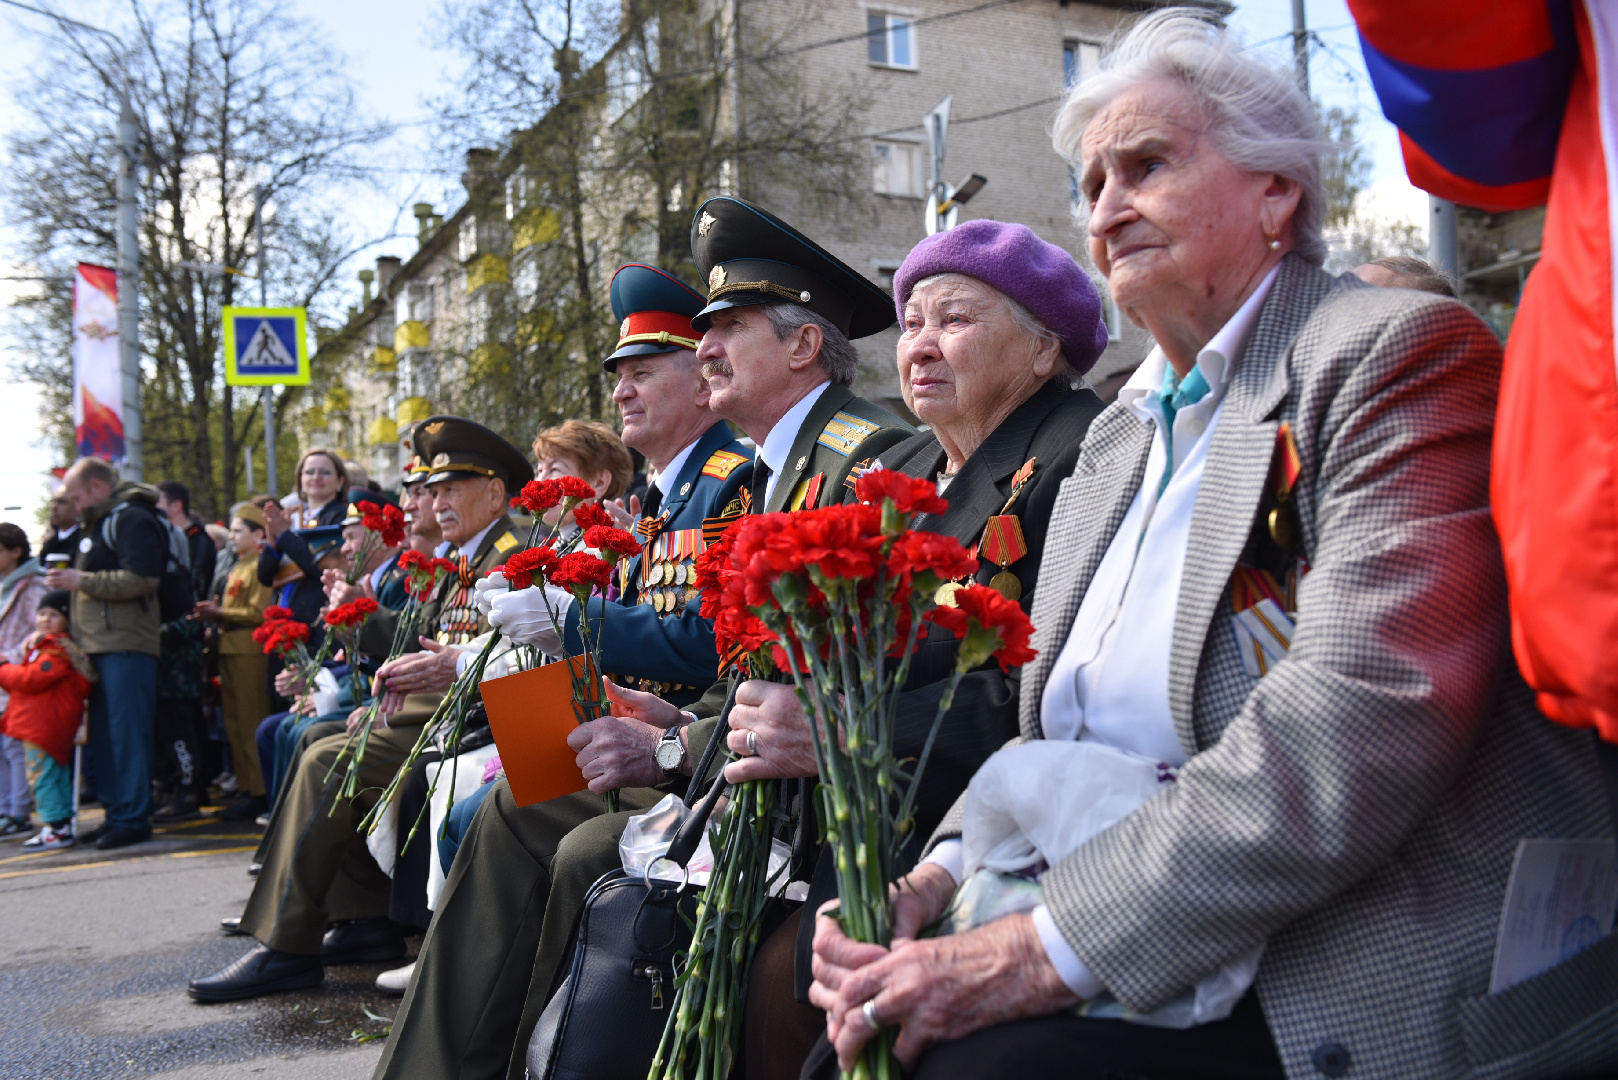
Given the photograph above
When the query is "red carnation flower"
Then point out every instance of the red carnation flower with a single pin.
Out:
(574, 488)
(987, 624)
(910, 495)
(914, 552)
(411, 559)
(276, 613)
(539, 496)
(617, 542)
(347, 616)
(521, 567)
(579, 572)
(393, 526)
(591, 515)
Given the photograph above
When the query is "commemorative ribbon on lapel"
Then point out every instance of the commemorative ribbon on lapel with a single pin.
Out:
(1003, 543)
(648, 527)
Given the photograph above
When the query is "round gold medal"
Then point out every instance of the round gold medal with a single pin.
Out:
(668, 573)
(1283, 528)
(1006, 584)
(660, 601)
(945, 596)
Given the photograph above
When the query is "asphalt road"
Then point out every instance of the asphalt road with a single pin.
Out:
(96, 949)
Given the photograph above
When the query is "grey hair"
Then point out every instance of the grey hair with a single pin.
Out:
(1037, 333)
(1257, 116)
(838, 357)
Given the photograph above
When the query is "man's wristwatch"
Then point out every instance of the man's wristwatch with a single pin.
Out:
(670, 752)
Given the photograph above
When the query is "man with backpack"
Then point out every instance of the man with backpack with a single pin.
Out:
(124, 569)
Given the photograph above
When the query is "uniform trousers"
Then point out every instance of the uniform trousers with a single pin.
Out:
(246, 697)
(316, 868)
(466, 1012)
(315, 729)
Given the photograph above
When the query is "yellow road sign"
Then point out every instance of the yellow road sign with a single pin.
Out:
(266, 346)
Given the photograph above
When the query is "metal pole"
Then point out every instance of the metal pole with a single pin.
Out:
(247, 456)
(1442, 250)
(129, 287)
(1300, 46)
(268, 391)
(736, 97)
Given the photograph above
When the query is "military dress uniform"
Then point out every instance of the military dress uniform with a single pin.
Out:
(316, 869)
(469, 1009)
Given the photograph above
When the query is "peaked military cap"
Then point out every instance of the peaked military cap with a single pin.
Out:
(360, 498)
(654, 310)
(322, 539)
(750, 256)
(457, 449)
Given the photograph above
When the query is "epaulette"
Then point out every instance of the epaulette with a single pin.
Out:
(504, 542)
(845, 431)
(722, 463)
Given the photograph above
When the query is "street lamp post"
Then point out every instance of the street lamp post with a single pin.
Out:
(268, 392)
(129, 289)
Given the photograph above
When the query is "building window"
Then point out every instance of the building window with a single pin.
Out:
(890, 40)
(468, 240)
(1080, 60)
(897, 169)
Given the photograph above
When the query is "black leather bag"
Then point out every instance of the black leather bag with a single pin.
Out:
(605, 1020)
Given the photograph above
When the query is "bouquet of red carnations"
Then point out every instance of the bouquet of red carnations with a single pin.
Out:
(835, 600)
(384, 527)
(282, 635)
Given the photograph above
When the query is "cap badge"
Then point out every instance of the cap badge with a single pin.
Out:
(623, 328)
(435, 427)
(705, 223)
(440, 460)
(716, 278)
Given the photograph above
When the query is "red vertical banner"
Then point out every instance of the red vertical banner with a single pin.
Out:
(98, 402)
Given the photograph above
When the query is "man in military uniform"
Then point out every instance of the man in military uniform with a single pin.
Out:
(780, 370)
(316, 869)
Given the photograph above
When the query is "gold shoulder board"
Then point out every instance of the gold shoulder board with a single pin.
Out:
(722, 464)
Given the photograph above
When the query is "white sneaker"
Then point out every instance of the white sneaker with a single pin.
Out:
(226, 782)
(50, 839)
(394, 982)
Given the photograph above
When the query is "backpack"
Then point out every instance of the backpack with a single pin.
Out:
(176, 596)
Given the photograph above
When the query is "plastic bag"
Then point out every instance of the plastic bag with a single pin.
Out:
(325, 693)
(647, 838)
(1031, 806)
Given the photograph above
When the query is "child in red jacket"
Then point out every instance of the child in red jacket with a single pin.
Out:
(48, 692)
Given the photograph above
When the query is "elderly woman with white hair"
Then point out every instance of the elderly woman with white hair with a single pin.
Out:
(1276, 766)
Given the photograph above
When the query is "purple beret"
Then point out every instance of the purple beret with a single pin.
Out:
(1041, 277)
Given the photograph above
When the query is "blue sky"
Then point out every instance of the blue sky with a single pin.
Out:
(391, 59)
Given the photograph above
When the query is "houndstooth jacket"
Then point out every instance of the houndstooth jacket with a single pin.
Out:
(1358, 806)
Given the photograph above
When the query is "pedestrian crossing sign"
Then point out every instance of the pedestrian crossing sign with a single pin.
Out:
(266, 346)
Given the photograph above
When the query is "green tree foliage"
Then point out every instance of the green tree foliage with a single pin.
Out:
(228, 96)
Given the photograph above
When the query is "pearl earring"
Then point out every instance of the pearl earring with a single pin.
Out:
(1275, 245)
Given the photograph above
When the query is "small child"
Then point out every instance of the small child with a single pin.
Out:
(48, 691)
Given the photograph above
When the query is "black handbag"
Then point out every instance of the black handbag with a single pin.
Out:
(605, 1020)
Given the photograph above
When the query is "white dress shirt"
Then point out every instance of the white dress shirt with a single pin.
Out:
(1110, 681)
(672, 470)
(778, 443)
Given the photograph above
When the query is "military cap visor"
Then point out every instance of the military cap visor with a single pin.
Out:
(459, 449)
(322, 539)
(749, 256)
(654, 310)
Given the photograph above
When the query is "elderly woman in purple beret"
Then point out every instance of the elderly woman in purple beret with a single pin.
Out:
(998, 327)
(1279, 785)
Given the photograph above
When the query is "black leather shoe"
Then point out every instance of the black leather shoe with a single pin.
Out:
(95, 834)
(253, 868)
(232, 926)
(181, 807)
(118, 836)
(262, 971)
(244, 809)
(362, 941)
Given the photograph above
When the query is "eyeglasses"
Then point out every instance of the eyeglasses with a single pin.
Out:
(318, 472)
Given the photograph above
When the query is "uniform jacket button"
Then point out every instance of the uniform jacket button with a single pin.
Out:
(1331, 1059)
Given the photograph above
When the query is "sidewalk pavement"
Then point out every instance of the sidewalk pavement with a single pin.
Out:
(96, 948)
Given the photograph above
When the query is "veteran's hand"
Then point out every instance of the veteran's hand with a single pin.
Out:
(487, 589)
(919, 898)
(431, 671)
(357, 715)
(618, 752)
(623, 516)
(339, 591)
(783, 745)
(287, 682)
(941, 988)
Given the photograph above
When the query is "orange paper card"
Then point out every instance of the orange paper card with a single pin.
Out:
(531, 714)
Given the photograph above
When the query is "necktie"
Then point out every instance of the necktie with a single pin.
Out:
(1177, 394)
(654, 501)
(760, 484)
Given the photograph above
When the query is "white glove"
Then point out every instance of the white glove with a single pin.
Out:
(522, 616)
(487, 588)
